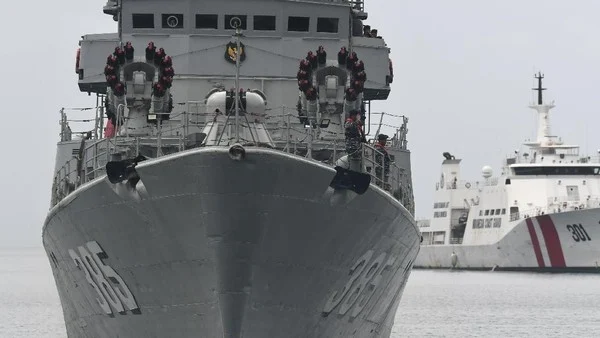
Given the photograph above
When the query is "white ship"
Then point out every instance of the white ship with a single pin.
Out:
(541, 214)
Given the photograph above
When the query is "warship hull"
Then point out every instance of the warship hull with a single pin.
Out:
(560, 242)
(208, 246)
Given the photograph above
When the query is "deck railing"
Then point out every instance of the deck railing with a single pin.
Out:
(90, 162)
(557, 205)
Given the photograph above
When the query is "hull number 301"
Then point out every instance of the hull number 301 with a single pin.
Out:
(578, 233)
(110, 288)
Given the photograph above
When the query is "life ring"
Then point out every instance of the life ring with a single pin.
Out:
(467, 185)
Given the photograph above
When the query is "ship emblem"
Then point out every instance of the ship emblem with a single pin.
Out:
(231, 52)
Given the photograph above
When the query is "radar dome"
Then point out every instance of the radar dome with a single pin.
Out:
(487, 171)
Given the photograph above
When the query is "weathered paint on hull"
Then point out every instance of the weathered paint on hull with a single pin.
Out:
(561, 242)
(221, 248)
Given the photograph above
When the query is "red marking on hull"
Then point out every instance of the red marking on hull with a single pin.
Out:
(535, 243)
(555, 252)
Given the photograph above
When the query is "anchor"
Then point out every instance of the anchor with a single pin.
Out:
(351, 180)
(119, 171)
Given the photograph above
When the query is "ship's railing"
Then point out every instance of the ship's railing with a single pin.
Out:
(356, 4)
(91, 160)
(388, 176)
(455, 184)
(433, 237)
(569, 155)
(423, 223)
(591, 201)
(456, 240)
(557, 205)
(398, 140)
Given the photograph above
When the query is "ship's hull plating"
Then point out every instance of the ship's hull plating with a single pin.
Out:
(561, 242)
(211, 247)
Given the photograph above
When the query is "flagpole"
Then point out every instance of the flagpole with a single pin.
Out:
(236, 23)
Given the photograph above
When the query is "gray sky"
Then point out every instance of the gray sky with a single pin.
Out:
(463, 73)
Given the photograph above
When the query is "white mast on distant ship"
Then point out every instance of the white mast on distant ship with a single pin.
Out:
(544, 138)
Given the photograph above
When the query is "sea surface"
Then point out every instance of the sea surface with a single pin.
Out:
(435, 303)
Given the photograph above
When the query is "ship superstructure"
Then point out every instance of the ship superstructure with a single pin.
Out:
(540, 214)
(210, 196)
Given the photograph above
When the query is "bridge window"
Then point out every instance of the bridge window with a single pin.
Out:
(478, 223)
(557, 171)
(439, 237)
(228, 21)
(440, 214)
(264, 23)
(172, 21)
(207, 21)
(438, 205)
(298, 23)
(327, 25)
(142, 20)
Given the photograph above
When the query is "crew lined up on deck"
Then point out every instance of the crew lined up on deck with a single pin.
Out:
(382, 158)
(370, 33)
(358, 29)
(355, 137)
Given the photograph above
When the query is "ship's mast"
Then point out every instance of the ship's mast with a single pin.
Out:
(114, 8)
(539, 76)
(544, 137)
(120, 14)
(237, 23)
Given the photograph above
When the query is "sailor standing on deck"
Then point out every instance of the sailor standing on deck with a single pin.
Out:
(354, 137)
(383, 162)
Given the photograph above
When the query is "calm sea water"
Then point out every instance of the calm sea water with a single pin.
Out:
(435, 303)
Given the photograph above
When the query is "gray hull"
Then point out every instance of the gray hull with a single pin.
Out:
(211, 247)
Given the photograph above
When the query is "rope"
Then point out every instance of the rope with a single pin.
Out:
(80, 109)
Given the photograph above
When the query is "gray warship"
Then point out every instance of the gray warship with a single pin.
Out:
(209, 193)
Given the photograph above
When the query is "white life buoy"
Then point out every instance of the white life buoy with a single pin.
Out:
(468, 185)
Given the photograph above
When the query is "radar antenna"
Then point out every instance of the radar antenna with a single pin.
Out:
(115, 9)
(539, 76)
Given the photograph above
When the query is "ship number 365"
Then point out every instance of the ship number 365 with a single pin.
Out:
(578, 232)
(110, 288)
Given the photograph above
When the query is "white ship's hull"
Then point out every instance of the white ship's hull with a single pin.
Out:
(560, 242)
(212, 247)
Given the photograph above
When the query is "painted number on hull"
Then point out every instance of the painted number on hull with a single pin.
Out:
(578, 233)
(111, 290)
(365, 277)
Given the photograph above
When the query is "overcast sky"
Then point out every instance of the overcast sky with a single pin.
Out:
(463, 75)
